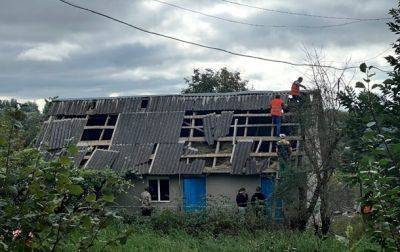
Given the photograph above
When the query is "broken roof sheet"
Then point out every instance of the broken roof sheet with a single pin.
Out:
(241, 153)
(56, 134)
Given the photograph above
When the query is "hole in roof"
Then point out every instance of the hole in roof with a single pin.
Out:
(97, 120)
(144, 103)
(107, 134)
(91, 134)
(112, 120)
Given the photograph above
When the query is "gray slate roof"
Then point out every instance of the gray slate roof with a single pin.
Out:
(139, 130)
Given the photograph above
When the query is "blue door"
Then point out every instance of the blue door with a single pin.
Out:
(194, 194)
(267, 188)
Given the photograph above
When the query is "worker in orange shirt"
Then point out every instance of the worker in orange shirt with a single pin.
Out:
(277, 105)
(295, 91)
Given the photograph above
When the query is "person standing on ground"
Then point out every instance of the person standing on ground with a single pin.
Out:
(145, 198)
(241, 200)
(258, 201)
(277, 105)
(295, 90)
(284, 151)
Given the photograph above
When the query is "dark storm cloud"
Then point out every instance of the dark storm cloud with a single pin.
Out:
(49, 49)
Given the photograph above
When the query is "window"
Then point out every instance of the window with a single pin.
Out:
(159, 189)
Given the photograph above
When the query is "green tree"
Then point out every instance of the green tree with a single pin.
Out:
(373, 152)
(46, 206)
(209, 81)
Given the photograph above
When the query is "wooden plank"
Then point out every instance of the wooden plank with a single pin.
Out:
(236, 115)
(93, 143)
(216, 152)
(230, 139)
(244, 126)
(99, 127)
(220, 155)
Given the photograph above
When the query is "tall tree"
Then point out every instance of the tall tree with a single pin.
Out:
(373, 154)
(209, 81)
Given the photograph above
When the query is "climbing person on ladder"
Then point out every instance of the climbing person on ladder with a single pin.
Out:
(277, 105)
(284, 151)
(295, 90)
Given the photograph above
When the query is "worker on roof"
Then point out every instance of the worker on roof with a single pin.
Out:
(277, 105)
(284, 151)
(295, 91)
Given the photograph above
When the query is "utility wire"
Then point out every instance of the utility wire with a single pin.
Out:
(253, 24)
(303, 14)
(202, 45)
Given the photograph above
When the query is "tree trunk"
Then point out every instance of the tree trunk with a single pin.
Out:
(324, 210)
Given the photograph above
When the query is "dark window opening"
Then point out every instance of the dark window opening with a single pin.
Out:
(153, 189)
(144, 103)
(91, 134)
(264, 146)
(108, 133)
(188, 112)
(164, 189)
(97, 120)
(198, 122)
(102, 147)
(159, 189)
(185, 132)
(198, 133)
(112, 120)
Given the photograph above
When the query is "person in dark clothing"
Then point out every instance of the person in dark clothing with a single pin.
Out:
(241, 200)
(258, 201)
(258, 196)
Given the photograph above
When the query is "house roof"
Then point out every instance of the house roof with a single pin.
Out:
(147, 136)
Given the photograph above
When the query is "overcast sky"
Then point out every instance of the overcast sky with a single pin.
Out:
(50, 49)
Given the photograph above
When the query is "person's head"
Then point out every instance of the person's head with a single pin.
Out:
(277, 96)
(242, 190)
(282, 136)
(300, 79)
(258, 189)
(146, 188)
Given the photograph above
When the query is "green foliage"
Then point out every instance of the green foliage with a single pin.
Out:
(372, 155)
(43, 203)
(209, 81)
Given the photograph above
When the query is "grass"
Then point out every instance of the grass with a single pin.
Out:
(150, 240)
(217, 231)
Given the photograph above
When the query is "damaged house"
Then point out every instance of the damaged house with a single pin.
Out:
(189, 149)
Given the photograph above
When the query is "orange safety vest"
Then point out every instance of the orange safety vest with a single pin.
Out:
(295, 89)
(276, 107)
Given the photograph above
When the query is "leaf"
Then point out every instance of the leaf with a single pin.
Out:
(108, 198)
(360, 85)
(73, 150)
(363, 67)
(396, 147)
(90, 197)
(370, 124)
(64, 160)
(75, 189)
(2, 141)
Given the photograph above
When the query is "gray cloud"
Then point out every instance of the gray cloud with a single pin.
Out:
(49, 49)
